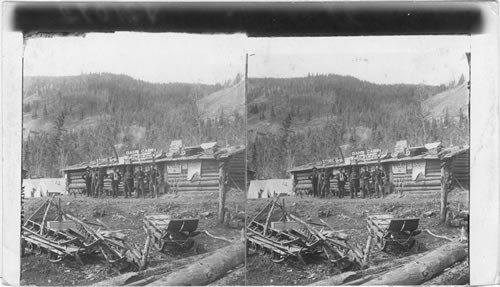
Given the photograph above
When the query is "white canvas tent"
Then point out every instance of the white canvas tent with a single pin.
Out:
(29, 185)
(269, 187)
(43, 187)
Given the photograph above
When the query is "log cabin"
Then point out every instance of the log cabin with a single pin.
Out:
(192, 169)
(418, 170)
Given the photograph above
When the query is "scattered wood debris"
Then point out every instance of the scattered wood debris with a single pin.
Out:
(62, 235)
(282, 234)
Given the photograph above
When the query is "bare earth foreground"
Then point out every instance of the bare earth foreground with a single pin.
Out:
(126, 215)
(349, 215)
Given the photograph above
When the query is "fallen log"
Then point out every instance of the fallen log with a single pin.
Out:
(423, 269)
(207, 269)
(457, 275)
(231, 278)
(354, 275)
(364, 279)
(131, 277)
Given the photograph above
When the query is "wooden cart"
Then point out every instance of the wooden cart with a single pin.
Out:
(170, 233)
(389, 230)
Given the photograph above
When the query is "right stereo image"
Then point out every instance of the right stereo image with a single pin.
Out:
(358, 161)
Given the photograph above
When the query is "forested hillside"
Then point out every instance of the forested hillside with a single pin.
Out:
(292, 121)
(67, 120)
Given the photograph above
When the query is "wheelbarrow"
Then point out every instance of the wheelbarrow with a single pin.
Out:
(395, 231)
(167, 233)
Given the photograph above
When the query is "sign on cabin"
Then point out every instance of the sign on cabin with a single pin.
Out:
(357, 153)
(371, 154)
(399, 168)
(140, 151)
(402, 144)
(175, 147)
(332, 161)
(418, 168)
(174, 167)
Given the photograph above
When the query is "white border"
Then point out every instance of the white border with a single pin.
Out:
(485, 157)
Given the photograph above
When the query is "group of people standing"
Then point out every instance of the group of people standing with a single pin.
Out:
(94, 181)
(358, 181)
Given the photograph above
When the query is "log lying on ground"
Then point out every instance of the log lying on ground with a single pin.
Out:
(231, 278)
(423, 269)
(347, 277)
(130, 277)
(207, 269)
(457, 275)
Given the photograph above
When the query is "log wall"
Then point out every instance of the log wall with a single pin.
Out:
(77, 183)
(460, 168)
(208, 180)
(431, 182)
(304, 184)
(236, 170)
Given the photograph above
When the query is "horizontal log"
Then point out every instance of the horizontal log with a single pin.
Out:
(423, 269)
(457, 275)
(186, 184)
(131, 277)
(196, 189)
(423, 183)
(418, 189)
(207, 269)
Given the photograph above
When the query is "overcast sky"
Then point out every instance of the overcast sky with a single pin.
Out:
(389, 59)
(153, 57)
(169, 57)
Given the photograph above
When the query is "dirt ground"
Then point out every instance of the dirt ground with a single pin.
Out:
(349, 215)
(126, 215)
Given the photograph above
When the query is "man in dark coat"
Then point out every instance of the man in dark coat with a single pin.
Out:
(116, 177)
(94, 182)
(87, 177)
(365, 178)
(325, 186)
(314, 178)
(341, 179)
(354, 182)
(129, 182)
(100, 181)
(140, 176)
(153, 177)
(379, 176)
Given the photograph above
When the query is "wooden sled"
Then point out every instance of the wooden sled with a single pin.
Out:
(398, 231)
(169, 233)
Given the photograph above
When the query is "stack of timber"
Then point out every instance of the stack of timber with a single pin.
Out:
(62, 235)
(291, 236)
(431, 268)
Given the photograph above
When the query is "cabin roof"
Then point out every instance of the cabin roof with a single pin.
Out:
(446, 153)
(206, 154)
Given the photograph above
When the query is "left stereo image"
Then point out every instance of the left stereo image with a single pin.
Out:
(134, 159)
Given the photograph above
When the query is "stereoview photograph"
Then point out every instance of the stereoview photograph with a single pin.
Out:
(359, 151)
(134, 160)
